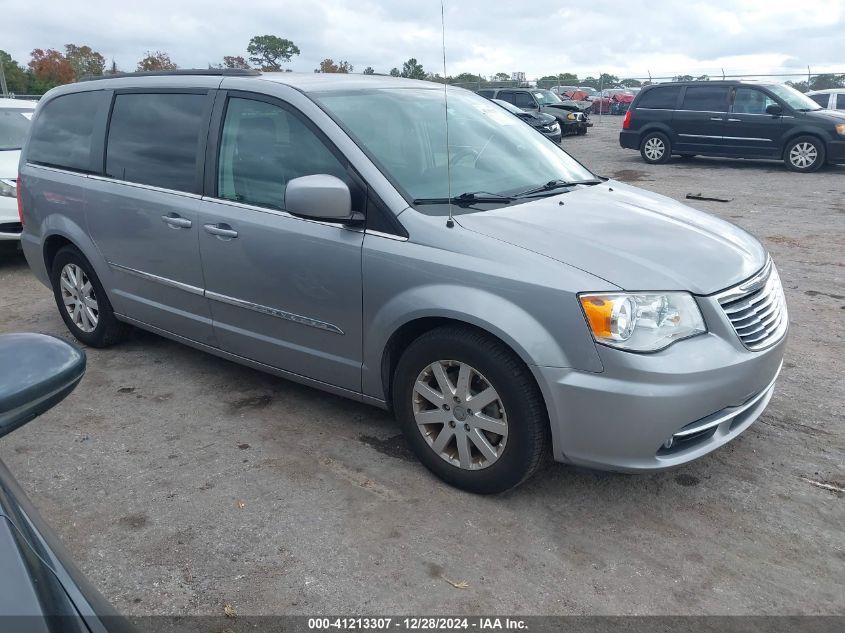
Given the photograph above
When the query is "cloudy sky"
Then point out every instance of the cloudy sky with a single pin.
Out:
(623, 37)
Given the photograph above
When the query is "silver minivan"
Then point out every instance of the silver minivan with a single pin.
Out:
(502, 300)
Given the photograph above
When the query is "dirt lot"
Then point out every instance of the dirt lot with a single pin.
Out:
(181, 482)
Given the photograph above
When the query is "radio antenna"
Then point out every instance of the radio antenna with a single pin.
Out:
(450, 222)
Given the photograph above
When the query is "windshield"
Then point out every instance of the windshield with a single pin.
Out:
(793, 98)
(546, 97)
(13, 127)
(404, 132)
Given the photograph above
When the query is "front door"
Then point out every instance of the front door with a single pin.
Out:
(143, 215)
(284, 291)
(749, 129)
(700, 120)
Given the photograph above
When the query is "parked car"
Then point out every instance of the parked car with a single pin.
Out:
(612, 101)
(311, 226)
(573, 118)
(591, 92)
(733, 119)
(833, 99)
(544, 123)
(563, 91)
(40, 587)
(15, 116)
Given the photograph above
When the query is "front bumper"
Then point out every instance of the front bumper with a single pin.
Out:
(701, 392)
(10, 225)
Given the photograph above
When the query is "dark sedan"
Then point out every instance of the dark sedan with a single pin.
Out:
(572, 117)
(544, 123)
(40, 588)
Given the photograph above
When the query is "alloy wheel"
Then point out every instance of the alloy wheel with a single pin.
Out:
(460, 414)
(654, 148)
(79, 298)
(803, 155)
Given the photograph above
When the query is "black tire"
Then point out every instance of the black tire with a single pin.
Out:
(795, 159)
(108, 330)
(651, 143)
(527, 419)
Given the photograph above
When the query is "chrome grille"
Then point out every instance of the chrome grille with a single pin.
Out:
(757, 309)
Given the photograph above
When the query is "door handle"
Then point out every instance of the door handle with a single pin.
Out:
(735, 120)
(221, 231)
(175, 221)
(716, 118)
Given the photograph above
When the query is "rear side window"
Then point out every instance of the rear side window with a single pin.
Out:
(487, 93)
(822, 99)
(706, 99)
(840, 101)
(62, 132)
(661, 98)
(154, 139)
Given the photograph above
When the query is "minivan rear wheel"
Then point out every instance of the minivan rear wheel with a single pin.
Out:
(470, 409)
(655, 148)
(804, 154)
(82, 302)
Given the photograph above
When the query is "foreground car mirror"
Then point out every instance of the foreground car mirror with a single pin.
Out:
(774, 109)
(321, 197)
(36, 373)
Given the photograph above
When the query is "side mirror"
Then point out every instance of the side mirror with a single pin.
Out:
(774, 109)
(322, 197)
(36, 373)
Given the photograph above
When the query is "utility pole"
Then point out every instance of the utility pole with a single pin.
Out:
(3, 88)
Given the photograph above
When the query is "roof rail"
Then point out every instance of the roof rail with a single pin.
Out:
(221, 72)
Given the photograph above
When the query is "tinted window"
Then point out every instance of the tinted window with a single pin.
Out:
(154, 139)
(822, 99)
(487, 93)
(706, 99)
(13, 127)
(751, 101)
(663, 97)
(62, 133)
(265, 146)
(523, 100)
(505, 95)
(840, 101)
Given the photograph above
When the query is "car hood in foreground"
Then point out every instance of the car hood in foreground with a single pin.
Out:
(633, 238)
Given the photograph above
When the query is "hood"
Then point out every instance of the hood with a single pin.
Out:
(569, 106)
(9, 163)
(832, 116)
(541, 118)
(634, 239)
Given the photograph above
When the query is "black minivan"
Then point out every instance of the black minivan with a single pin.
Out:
(733, 119)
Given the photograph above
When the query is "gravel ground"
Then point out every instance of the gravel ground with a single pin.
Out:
(182, 482)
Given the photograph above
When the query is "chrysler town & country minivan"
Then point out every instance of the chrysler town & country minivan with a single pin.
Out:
(502, 300)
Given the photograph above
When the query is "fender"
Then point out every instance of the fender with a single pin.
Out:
(509, 322)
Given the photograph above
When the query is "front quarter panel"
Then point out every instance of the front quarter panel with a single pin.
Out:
(527, 300)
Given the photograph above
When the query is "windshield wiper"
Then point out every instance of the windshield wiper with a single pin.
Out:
(556, 184)
(468, 197)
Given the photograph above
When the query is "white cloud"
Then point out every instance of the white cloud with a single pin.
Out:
(628, 37)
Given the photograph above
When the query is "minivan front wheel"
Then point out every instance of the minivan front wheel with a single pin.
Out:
(655, 148)
(804, 154)
(82, 302)
(470, 410)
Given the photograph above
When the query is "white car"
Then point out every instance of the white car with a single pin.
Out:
(15, 116)
(832, 99)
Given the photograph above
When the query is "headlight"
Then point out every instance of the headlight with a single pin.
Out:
(572, 116)
(840, 128)
(8, 188)
(641, 322)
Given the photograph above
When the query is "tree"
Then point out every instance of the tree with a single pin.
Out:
(501, 77)
(369, 71)
(156, 61)
(682, 78)
(800, 86)
(394, 72)
(49, 69)
(631, 83)
(17, 79)
(84, 61)
(235, 61)
(412, 70)
(827, 81)
(328, 65)
(269, 52)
